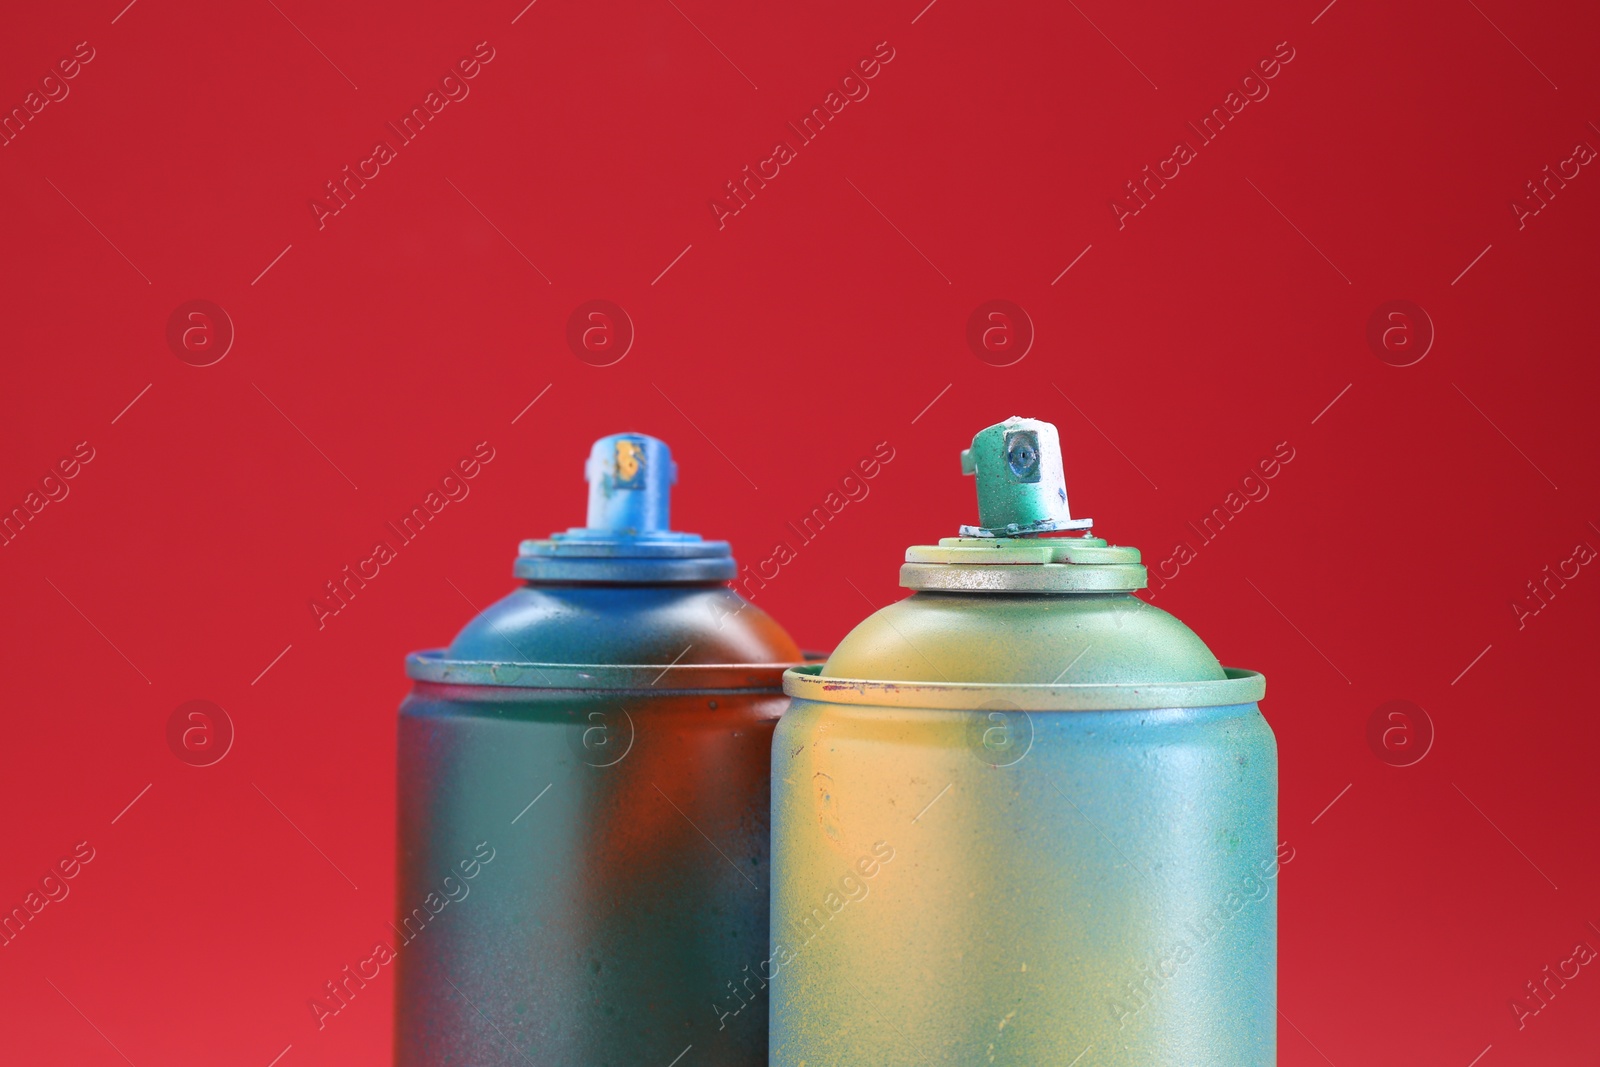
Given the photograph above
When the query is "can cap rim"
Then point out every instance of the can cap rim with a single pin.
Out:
(433, 665)
(1239, 687)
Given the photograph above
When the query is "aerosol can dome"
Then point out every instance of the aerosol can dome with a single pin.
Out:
(1002, 602)
(622, 589)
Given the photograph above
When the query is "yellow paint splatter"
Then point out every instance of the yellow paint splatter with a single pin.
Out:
(630, 457)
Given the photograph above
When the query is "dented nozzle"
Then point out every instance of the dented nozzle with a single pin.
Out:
(1022, 487)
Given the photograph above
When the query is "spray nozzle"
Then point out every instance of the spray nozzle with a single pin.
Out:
(1022, 487)
(630, 479)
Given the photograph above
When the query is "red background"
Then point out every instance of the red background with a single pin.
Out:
(776, 352)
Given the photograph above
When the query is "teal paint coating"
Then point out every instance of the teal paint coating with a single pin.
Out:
(1080, 809)
(1022, 488)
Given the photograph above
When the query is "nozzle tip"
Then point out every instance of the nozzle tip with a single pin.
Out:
(630, 479)
(1022, 486)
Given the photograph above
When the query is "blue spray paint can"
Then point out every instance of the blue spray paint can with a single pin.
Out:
(583, 800)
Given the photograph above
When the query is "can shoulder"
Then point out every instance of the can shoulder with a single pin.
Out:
(1027, 639)
(602, 625)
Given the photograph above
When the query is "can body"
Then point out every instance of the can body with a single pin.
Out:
(624, 888)
(1008, 886)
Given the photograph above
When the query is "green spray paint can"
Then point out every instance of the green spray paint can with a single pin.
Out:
(1021, 816)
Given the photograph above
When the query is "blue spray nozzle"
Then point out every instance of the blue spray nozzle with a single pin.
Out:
(628, 536)
(630, 479)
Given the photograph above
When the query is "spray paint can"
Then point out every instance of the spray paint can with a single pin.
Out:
(1022, 816)
(583, 799)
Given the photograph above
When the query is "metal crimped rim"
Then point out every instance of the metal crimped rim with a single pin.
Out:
(1024, 577)
(432, 665)
(1240, 687)
(635, 570)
